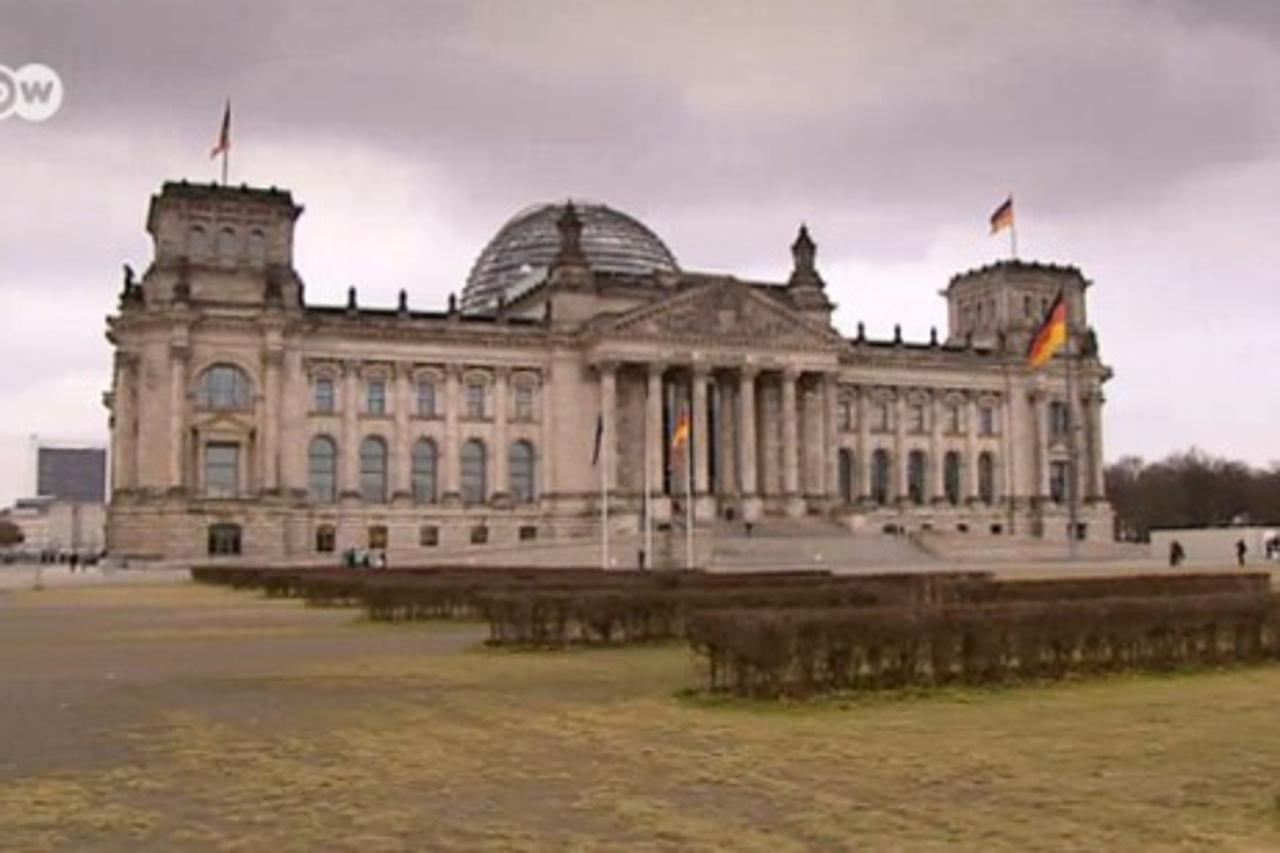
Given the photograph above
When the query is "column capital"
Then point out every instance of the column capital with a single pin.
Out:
(656, 368)
(351, 367)
(700, 370)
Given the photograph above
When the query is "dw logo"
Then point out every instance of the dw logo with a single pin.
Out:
(33, 92)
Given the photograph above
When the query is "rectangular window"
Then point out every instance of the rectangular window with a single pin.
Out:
(326, 539)
(987, 420)
(428, 536)
(479, 535)
(475, 401)
(378, 538)
(1058, 481)
(528, 533)
(427, 399)
(222, 470)
(377, 397)
(323, 395)
(524, 403)
(1059, 419)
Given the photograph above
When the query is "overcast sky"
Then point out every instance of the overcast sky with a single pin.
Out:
(1141, 140)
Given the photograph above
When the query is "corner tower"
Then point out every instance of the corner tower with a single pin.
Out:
(217, 244)
(999, 306)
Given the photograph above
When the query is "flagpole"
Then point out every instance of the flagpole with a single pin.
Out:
(226, 154)
(1073, 485)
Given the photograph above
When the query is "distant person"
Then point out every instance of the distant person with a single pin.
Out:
(1241, 550)
(749, 527)
(1176, 554)
(74, 561)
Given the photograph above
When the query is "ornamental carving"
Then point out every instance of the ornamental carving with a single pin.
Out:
(724, 313)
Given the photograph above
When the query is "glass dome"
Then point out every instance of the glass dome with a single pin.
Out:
(518, 256)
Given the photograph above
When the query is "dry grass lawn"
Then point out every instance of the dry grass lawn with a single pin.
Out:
(229, 722)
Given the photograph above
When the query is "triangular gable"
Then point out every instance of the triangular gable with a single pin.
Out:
(723, 312)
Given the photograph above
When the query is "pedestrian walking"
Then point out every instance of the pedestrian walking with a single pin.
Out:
(1241, 550)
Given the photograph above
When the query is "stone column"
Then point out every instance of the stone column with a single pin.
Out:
(791, 445)
(402, 449)
(660, 504)
(862, 464)
(349, 469)
(452, 449)
(899, 467)
(830, 439)
(1039, 455)
(937, 468)
(1096, 489)
(970, 467)
(609, 411)
(501, 451)
(124, 464)
(701, 441)
(273, 403)
(546, 429)
(727, 455)
(748, 454)
(179, 361)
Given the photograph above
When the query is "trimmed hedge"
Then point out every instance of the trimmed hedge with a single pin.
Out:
(775, 652)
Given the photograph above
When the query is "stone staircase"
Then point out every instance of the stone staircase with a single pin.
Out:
(784, 543)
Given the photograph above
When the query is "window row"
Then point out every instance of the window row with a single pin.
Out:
(424, 468)
(917, 418)
(226, 245)
(426, 399)
(378, 537)
(882, 480)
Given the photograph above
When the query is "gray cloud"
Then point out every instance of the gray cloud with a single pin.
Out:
(892, 128)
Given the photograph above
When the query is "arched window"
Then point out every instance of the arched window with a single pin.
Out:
(326, 538)
(424, 471)
(225, 386)
(197, 243)
(426, 398)
(373, 470)
(227, 247)
(846, 475)
(322, 469)
(915, 476)
(474, 475)
(523, 402)
(521, 470)
(986, 478)
(880, 476)
(257, 248)
(951, 476)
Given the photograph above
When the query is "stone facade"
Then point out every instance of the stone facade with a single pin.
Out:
(245, 420)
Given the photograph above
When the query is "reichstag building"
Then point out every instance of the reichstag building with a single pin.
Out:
(246, 421)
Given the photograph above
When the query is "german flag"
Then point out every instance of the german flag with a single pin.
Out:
(1051, 336)
(681, 436)
(1003, 217)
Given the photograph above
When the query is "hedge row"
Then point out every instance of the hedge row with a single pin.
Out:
(776, 652)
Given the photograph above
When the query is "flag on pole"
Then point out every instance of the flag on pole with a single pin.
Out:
(681, 436)
(224, 137)
(595, 454)
(1003, 216)
(1051, 336)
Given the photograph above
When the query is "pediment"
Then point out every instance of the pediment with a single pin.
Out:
(726, 312)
